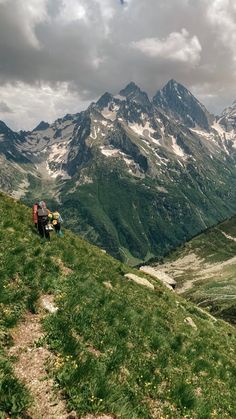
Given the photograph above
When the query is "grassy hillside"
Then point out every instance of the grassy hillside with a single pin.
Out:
(205, 269)
(136, 219)
(120, 348)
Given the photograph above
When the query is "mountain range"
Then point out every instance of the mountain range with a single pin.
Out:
(135, 175)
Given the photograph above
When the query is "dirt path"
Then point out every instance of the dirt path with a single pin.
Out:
(30, 366)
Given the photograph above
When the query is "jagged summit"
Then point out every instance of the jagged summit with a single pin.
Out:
(173, 85)
(125, 149)
(41, 126)
(4, 129)
(130, 89)
(104, 100)
(228, 117)
(178, 102)
(133, 92)
(230, 109)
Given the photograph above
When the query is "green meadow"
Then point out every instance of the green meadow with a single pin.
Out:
(119, 348)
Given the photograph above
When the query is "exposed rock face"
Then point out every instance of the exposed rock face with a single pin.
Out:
(140, 281)
(228, 118)
(134, 94)
(135, 176)
(176, 101)
(42, 126)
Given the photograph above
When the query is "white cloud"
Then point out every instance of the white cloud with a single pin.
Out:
(29, 104)
(178, 46)
(222, 16)
(107, 10)
(87, 44)
(72, 10)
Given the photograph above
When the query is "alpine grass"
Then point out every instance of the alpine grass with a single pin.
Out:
(119, 348)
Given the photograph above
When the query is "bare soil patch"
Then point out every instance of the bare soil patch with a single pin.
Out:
(30, 368)
(64, 269)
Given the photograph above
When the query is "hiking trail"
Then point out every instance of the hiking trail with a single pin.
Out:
(30, 367)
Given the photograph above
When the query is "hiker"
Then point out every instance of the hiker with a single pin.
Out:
(43, 220)
(56, 222)
(35, 214)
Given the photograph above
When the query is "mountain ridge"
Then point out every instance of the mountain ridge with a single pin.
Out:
(173, 179)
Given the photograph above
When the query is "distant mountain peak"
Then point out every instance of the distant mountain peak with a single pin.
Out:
(42, 126)
(173, 82)
(129, 89)
(4, 129)
(104, 100)
(133, 93)
(177, 101)
(174, 86)
(228, 117)
(3, 125)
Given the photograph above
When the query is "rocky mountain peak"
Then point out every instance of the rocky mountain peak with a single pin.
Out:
(178, 102)
(6, 132)
(104, 100)
(130, 89)
(230, 109)
(228, 117)
(133, 93)
(42, 126)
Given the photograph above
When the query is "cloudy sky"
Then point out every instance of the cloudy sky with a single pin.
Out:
(59, 55)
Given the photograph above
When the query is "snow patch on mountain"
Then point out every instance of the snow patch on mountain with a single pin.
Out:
(108, 152)
(58, 152)
(57, 173)
(220, 130)
(143, 131)
(227, 135)
(115, 152)
(161, 160)
(161, 126)
(200, 132)
(109, 114)
(176, 148)
(120, 97)
(209, 136)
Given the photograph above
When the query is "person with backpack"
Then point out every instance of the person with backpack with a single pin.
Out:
(56, 222)
(35, 214)
(42, 214)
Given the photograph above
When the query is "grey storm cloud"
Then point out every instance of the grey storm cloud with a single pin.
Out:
(4, 108)
(94, 46)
